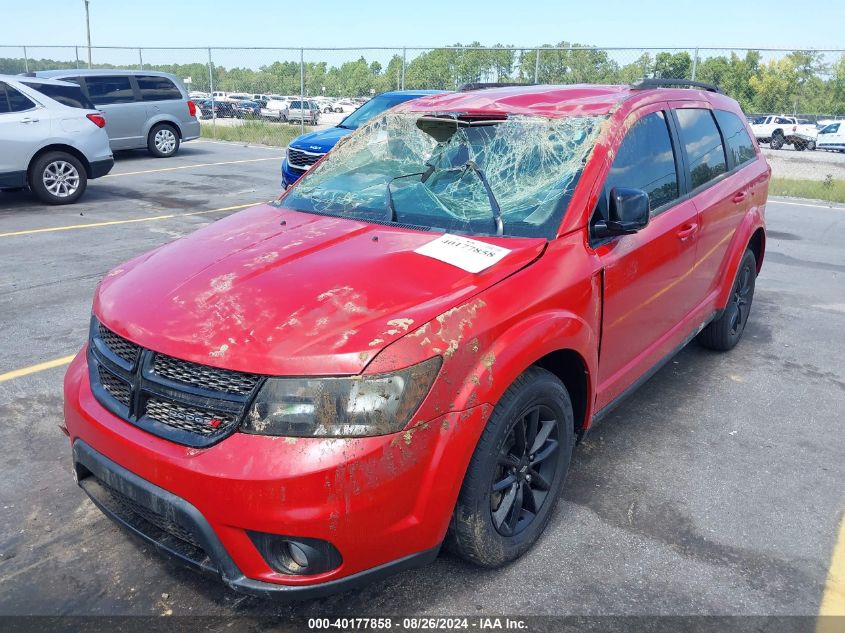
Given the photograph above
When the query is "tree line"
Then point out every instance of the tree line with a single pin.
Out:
(800, 81)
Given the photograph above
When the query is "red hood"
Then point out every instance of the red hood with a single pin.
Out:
(317, 295)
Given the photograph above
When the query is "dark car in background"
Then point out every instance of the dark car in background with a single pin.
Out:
(220, 109)
(247, 109)
(307, 149)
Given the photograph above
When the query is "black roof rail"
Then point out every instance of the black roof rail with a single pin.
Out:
(669, 82)
(480, 85)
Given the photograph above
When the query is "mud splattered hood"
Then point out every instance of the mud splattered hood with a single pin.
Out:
(280, 292)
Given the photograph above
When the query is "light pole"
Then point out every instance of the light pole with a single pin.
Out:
(88, 30)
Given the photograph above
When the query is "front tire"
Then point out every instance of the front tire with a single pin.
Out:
(776, 141)
(58, 178)
(516, 473)
(723, 333)
(163, 141)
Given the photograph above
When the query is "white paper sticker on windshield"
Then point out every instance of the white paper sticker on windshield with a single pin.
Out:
(470, 255)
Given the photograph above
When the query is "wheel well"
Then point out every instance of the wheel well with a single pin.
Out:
(175, 127)
(58, 147)
(757, 244)
(569, 367)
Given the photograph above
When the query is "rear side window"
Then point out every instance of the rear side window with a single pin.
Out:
(703, 143)
(157, 88)
(66, 95)
(646, 161)
(736, 137)
(13, 101)
(105, 90)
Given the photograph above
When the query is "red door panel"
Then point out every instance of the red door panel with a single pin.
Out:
(647, 279)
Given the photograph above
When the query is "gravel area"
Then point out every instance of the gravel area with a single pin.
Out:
(816, 165)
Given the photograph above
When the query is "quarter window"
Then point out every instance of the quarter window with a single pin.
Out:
(703, 143)
(66, 95)
(736, 137)
(106, 90)
(13, 101)
(646, 161)
(155, 88)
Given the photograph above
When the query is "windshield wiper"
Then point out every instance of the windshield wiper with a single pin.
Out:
(494, 204)
(391, 208)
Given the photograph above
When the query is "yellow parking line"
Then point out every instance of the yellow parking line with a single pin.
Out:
(92, 225)
(228, 162)
(833, 599)
(32, 369)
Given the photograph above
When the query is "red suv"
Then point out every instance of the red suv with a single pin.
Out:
(403, 350)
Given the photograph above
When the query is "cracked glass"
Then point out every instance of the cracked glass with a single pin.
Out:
(510, 176)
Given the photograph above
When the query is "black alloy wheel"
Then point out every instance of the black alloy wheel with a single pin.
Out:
(526, 468)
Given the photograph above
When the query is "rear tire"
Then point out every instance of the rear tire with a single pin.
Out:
(58, 178)
(723, 333)
(163, 141)
(513, 482)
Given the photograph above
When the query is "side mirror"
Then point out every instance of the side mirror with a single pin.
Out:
(628, 210)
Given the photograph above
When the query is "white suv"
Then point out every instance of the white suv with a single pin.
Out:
(53, 138)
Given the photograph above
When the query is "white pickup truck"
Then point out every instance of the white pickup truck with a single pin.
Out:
(782, 130)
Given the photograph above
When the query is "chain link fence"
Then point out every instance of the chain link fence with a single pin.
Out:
(806, 83)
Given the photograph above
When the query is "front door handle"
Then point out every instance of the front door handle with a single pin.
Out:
(739, 197)
(29, 120)
(687, 231)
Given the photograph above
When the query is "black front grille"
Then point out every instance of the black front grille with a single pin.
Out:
(117, 388)
(302, 159)
(204, 376)
(192, 404)
(188, 418)
(127, 350)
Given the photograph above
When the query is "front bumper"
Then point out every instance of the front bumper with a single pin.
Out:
(290, 174)
(383, 502)
(142, 508)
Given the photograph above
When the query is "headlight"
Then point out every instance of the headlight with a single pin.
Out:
(357, 406)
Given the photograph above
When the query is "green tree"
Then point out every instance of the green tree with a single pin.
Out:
(673, 65)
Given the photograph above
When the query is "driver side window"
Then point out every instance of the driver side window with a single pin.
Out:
(646, 160)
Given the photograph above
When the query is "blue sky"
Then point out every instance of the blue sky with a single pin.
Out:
(716, 23)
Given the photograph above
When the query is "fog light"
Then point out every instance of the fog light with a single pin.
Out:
(296, 555)
(299, 557)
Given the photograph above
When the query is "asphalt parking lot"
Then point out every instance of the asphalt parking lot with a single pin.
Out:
(716, 489)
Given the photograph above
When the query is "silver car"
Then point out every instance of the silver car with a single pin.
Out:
(306, 111)
(52, 139)
(143, 108)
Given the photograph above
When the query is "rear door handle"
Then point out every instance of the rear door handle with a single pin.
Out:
(29, 120)
(687, 231)
(739, 197)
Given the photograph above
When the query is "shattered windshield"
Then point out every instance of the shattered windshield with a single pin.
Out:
(509, 176)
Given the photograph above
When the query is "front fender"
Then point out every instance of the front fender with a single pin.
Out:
(489, 340)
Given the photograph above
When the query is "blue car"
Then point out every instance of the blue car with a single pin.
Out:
(307, 149)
